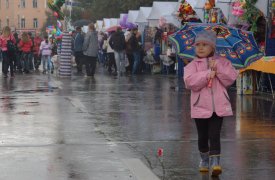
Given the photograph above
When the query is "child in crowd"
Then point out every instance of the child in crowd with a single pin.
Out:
(46, 51)
(208, 76)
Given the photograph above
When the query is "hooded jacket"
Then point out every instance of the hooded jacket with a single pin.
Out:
(205, 100)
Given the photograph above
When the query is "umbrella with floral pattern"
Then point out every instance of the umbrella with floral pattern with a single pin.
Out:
(236, 45)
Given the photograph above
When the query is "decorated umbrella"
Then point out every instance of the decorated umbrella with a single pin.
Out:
(236, 45)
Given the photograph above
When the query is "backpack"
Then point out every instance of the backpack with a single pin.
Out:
(11, 46)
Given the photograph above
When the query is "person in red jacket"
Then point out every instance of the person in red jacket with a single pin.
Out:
(8, 57)
(25, 45)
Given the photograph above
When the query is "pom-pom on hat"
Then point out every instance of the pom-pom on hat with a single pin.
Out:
(208, 37)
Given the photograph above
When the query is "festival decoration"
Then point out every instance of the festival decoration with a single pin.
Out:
(59, 24)
(247, 14)
(237, 8)
(251, 14)
(55, 5)
(186, 12)
(209, 4)
(56, 32)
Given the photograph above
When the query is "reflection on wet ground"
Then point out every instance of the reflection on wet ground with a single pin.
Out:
(143, 113)
(147, 114)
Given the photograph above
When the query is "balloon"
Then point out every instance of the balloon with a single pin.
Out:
(59, 37)
(58, 32)
(53, 31)
(55, 14)
(50, 27)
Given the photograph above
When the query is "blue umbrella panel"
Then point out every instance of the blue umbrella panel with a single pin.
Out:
(236, 45)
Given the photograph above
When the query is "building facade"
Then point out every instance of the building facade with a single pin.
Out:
(23, 14)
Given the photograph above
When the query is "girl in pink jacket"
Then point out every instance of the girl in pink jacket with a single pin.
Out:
(208, 76)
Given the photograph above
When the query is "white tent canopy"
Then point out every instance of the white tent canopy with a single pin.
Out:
(114, 22)
(197, 3)
(225, 7)
(171, 20)
(143, 14)
(160, 9)
(99, 25)
(132, 16)
(262, 5)
(107, 23)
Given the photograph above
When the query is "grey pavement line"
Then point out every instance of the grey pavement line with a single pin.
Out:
(114, 143)
(139, 169)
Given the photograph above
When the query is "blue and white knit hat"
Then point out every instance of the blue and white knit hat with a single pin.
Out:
(208, 37)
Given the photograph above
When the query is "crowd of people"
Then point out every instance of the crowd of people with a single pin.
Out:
(121, 53)
(23, 53)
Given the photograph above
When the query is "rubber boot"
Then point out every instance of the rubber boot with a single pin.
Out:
(215, 167)
(204, 163)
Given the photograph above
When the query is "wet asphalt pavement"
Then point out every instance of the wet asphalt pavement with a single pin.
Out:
(82, 128)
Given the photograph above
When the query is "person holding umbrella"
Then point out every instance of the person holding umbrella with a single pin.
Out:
(208, 76)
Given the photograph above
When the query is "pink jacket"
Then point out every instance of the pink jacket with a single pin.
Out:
(205, 100)
(3, 42)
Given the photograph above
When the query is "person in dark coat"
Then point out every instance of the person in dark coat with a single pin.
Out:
(118, 44)
(135, 44)
(78, 52)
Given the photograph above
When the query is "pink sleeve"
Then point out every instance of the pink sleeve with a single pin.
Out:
(226, 73)
(13, 39)
(193, 79)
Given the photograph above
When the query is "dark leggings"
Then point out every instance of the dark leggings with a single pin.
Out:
(8, 60)
(209, 134)
(111, 62)
(90, 64)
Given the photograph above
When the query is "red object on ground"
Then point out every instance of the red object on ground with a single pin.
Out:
(160, 152)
